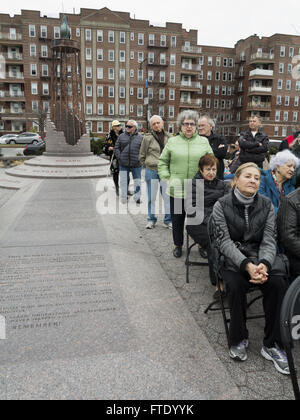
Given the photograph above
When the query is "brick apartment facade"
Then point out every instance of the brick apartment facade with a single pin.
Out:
(118, 54)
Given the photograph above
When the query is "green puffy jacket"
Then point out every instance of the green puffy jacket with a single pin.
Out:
(179, 161)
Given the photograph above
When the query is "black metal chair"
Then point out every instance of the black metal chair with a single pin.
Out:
(219, 304)
(188, 262)
(290, 328)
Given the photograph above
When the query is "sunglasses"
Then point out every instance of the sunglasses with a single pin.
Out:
(129, 126)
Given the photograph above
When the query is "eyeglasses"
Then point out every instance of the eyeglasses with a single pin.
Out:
(129, 126)
(186, 124)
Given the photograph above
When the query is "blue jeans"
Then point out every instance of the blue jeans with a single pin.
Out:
(124, 181)
(153, 181)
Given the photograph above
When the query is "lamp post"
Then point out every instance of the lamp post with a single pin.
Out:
(146, 99)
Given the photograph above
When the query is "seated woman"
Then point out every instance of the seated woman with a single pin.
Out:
(213, 190)
(245, 232)
(278, 181)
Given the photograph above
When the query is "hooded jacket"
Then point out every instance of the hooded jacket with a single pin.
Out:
(179, 161)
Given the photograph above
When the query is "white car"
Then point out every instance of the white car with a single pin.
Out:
(7, 138)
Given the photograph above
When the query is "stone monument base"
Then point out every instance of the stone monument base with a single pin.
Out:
(61, 167)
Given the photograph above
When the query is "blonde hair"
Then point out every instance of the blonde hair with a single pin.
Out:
(240, 169)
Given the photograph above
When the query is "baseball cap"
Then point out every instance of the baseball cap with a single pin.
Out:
(115, 122)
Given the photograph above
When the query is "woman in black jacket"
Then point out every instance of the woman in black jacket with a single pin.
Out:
(245, 234)
(108, 149)
(214, 189)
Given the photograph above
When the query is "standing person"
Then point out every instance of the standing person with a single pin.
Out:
(288, 223)
(278, 181)
(245, 233)
(110, 141)
(179, 162)
(127, 150)
(254, 143)
(217, 143)
(152, 146)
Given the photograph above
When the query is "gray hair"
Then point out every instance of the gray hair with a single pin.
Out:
(281, 158)
(155, 116)
(208, 119)
(133, 122)
(187, 115)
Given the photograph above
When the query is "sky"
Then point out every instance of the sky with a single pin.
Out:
(219, 23)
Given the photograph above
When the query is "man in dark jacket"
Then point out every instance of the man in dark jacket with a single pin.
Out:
(254, 143)
(127, 150)
(217, 143)
(110, 141)
(289, 230)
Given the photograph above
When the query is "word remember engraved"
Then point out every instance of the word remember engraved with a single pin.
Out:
(2, 328)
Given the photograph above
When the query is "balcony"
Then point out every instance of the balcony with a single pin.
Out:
(18, 75)
(262, 57)
(191, 50)
(260, 73)
(191, 68)
(260, 90)
(12, 56)
(11, 95)
(10, 38)
(257, 106)
(190, 103)
(190, 85)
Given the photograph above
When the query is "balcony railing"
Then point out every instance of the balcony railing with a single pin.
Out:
(12, 56)
(192, 102)
(191, 67)
(261, 72)
(11, 94)
(262, 56)
(15, 75)
(196, 85)
(263, 89)
(260, 105)
(10, 37)
(195, 50)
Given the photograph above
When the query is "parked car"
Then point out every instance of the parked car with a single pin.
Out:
(25, 138)
(34, 149)
(5, 139)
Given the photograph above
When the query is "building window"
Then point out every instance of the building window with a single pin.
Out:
(88, 34)
(88, 72)
(122, 92)
(111, 37)
(209, 75)
(150, 58)
(32, 33)
(140, 39)
(277, 116)
(278, 100)
(291, 52)
(279, 84)
(122, 75)
(172, 95)
(111, 109)
(99, 127)
(78, 32)
(163, 40)
(100, 73)
(88, 53)
(276, 131)
(111, 74)
(162, 94)
(122, 109)
(288, 85)
(162, 77)
(286, 116)
(43, 31)
(111, 91)
(122, 56)
(44, 51)
(151, 39)
(32, 50)
(209, 61)
(282, 51)
(122, 38)
(295, 116)
(173, 60)
(89, 90)
(100, 109)
(287, 101)
(56, 32)
(89, 109)
(296, 101)
(173, 41)
(281, 68)
(140, 75)
(111, 55)
(207, 103)
(171, 112)
(45, 89)
(140, 94)
(99, 91)
(33, 69)
(161, 111)
(99, 35)
(35, 106)
(139, 111)
(172, 77)
(34, 88)
(100, 55)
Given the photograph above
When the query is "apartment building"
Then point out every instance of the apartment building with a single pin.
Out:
(133, 69)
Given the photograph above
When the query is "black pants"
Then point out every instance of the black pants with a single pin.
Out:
(199, 234)
(294, 267)
(178, 218)
(237, 285)
(116, 179)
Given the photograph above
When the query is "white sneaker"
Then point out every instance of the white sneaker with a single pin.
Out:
(150, 225)
(168, 225)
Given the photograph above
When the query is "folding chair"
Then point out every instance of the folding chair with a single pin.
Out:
(189, 263)
(219, 261)
(290, 328)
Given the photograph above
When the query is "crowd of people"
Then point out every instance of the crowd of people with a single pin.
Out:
(255, 213)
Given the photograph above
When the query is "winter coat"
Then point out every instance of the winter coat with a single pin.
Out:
(110, 141)
(253, 149)
(127, 149)
(230, 230)
(213, 190)
(288, 222)
(219, 152)
(268, 188)
(179, 161)
(150, 150)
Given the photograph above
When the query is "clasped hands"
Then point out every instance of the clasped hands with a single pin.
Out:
(258, 273)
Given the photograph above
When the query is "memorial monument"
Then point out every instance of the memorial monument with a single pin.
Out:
(68, 151)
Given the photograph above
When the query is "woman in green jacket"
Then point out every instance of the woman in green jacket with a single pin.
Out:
(179, 162)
